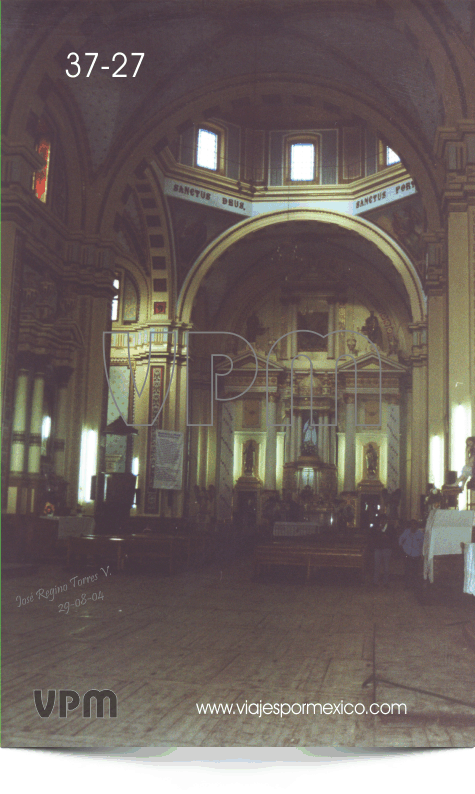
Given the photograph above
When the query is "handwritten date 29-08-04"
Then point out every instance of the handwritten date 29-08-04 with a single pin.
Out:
(80, 602)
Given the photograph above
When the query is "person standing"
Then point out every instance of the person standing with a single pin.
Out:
(382, 541)
(411, 541)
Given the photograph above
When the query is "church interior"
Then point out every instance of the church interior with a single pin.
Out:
(238, 327)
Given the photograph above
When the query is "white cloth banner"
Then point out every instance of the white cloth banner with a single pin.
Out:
(73, 525)
(169, 460)
(445, 532)
(294, 529)
(469, 568)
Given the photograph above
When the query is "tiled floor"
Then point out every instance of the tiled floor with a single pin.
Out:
(165, 644)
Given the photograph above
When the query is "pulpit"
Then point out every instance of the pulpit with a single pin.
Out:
(119, 491)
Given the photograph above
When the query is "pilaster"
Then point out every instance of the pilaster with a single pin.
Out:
(350, 456)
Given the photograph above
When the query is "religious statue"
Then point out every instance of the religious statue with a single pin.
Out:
(309, 439)
(467, 475)
(254, 328)
(371, 460)
(249, 458)
(372, 330)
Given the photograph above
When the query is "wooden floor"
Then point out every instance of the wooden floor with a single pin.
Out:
(215, 636)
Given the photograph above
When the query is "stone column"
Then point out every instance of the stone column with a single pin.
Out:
(326, 438)
(332, 338)
(321, 454)
(419, 473)
(204, 418)
(332, 444)
(224, 502)
(180, 425)
(456, 145)
(34, 449)
(17, 456)
(288, 441)
(350, 452)
(340, 440)
(198, 435)
(293, 436)
(61, 425)
(436, 355)
(393, 433)
(271, 445)
(460, 320)
(298, 436)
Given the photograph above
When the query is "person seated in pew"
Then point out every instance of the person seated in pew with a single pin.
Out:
(411, 541)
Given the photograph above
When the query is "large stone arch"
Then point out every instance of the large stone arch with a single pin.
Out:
(369, 231)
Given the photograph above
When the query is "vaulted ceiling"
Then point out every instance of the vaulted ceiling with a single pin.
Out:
(407, 57)
(264, 261)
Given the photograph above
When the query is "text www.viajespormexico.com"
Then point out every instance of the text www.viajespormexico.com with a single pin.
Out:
(258, 709)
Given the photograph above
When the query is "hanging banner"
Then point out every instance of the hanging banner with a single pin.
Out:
(168, 472)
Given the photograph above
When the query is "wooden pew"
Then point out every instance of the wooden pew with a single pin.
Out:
(175, 550)
(100, 547)
(147, 546)
(310, 556)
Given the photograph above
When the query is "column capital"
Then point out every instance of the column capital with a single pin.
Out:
(417, 327)
(435, 264)
(436, 281)
(456, 147)
(419, 359)
(419, 343)
(456, 134)
(349, 399)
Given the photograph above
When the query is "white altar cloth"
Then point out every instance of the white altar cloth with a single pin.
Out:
(445, 532)
(469, 568)
(73, 525)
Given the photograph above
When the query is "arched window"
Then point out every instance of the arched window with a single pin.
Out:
(43, 147)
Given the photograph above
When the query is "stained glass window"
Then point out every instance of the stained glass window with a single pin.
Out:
(40, 179)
